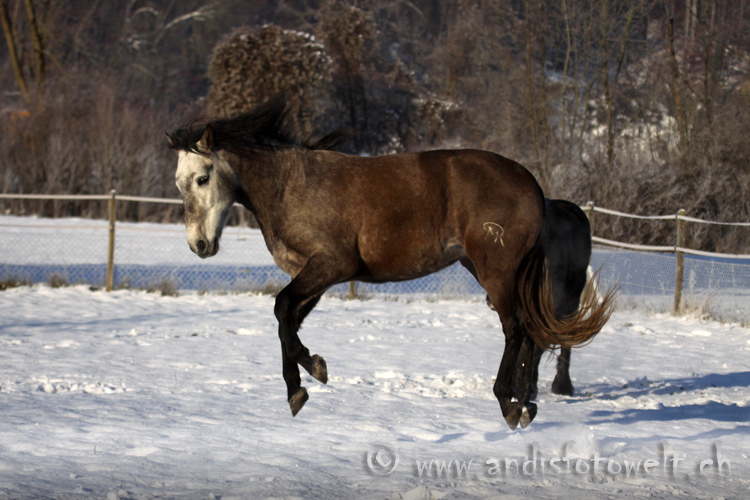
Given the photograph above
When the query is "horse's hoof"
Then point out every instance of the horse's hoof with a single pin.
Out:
(298, 400)
(563, 388)
(527, 415)
(319, 369)
(512, 413)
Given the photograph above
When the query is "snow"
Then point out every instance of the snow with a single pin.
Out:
(35, 249)
(46, 240)
(131, 395)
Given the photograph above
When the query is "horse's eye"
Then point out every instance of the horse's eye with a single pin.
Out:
(202, 181)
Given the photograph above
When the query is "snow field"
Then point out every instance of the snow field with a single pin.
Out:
(135, 395)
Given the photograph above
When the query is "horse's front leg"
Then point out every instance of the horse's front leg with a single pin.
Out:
(296, 394)
(315, 365)
(290, 313)
(293, 304)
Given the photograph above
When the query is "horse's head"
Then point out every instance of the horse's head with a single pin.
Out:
(207, 184)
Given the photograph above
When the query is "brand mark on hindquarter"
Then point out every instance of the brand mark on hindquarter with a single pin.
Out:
(494, 232)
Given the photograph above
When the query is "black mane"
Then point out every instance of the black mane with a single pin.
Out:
(264, 127)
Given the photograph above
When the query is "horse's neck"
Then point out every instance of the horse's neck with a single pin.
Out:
(264, 180)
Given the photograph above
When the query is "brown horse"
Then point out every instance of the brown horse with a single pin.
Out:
(328, 218)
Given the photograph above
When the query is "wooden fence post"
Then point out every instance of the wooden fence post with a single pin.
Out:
(111, 247)
(590, 215)
(679, 277)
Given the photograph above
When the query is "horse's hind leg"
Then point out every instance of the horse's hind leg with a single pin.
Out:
(534, 388)
(511, 391)
(562, 384)
(524, 383)
(510, 406)
(506, 388)
(567, 300)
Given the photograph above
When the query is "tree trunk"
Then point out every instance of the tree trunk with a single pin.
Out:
(36, 39)
(14, 61)
(679, 110)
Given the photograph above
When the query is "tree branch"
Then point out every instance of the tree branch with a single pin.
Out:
(36, 39)
(15, 63)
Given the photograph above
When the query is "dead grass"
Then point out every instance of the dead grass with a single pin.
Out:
(12, 282)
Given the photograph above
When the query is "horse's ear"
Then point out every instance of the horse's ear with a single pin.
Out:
(207, 141)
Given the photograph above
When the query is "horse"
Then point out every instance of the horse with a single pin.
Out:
(329, 217)
(566, 238)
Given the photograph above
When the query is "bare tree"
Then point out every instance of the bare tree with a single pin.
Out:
(599, 98)
(10, 40)
(14, 40)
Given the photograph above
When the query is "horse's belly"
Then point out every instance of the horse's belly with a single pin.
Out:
(410, 260)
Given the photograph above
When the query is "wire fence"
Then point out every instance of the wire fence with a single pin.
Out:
(113, 255)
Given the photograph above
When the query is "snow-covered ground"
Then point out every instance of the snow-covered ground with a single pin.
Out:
(39, 240)
(135, 395)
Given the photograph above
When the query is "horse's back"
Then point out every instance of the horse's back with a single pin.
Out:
(455, 180)
(470, 184)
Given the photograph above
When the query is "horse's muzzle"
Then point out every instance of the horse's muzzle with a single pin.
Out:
(204, 248)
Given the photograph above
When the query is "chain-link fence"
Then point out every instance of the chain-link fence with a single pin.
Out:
(147, 255)
(716, 287)
(156, 256)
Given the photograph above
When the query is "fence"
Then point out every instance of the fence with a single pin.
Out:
(118, 254)
(679, 250)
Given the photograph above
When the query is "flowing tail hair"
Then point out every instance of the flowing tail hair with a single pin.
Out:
(535, 296)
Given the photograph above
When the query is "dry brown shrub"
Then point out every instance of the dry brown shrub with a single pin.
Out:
(252, 65)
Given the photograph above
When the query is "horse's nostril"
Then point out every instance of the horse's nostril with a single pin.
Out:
(201, 245)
